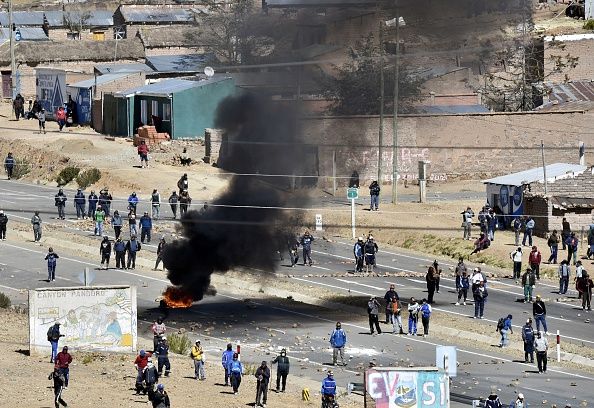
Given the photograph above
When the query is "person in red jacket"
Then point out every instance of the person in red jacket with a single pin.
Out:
(63, 360)
(140, 363)
(61, 117)
(143, 152)
(534, 260)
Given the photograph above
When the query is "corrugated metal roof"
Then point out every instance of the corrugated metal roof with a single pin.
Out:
(99, 80)
(555, 171)
(27, 34)
(566, 106)
(569, 203)
(95, 18)
(56, 18)
(451, 109)
(120, 68)
(153, 14)
(180, 63)
(319, 3)
(168, 86)
(572, 91)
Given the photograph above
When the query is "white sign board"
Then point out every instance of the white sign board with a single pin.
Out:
(91, 318)
(447, 356)
(318, 222)
(50, 89)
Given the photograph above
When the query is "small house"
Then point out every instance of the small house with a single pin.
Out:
(126, 16)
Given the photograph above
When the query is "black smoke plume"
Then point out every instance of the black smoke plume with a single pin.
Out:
(244, 227)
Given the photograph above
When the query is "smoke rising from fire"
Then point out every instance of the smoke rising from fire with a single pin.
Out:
(259, 138)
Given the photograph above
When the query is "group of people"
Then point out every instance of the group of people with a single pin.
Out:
(365, 251)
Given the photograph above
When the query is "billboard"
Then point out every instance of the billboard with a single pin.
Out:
(50, 88)
(82, 97)
(100, 318)
(401, 388)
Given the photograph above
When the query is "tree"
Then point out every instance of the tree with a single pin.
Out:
(76, 21)
(356, 86)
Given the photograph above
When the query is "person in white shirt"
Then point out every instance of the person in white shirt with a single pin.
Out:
(541, 344)
(516, 256)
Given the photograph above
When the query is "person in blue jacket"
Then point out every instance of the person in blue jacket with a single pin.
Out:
(146, 225)
(236, 371)
(79, 204)
(225, 360)
(328, 387)
(133, 202)
(506, 331)
(305, 242)
(338, 341)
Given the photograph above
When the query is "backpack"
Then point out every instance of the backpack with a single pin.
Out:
(500, 323)
(529, 334)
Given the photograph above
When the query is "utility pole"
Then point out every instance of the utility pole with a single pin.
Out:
(13, 69)
(395, 119)
(544, 167)
(381, 118)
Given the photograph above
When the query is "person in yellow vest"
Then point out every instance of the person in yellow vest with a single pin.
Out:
(198, 356)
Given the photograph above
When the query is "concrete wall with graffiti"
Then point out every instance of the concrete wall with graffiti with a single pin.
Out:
(50, 85)
(91, 318)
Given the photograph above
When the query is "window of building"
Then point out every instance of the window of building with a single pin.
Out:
(143, 111)
(166, 111)
(98, 36)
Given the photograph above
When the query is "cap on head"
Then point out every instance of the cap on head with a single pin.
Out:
(521, 396)
(65, 348)
(229, 346)
(197, 341)
(330, 373)
(164, 338)
(142, 353)
(537, 297)
(160, 387)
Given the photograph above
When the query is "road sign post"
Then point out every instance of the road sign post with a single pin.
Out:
(353, 194)
(319, 222)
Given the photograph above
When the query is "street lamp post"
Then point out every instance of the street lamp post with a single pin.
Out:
(13, 72)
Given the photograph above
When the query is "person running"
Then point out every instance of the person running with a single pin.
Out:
(53, 336)
(226, 359)
(3, 224)
(173, 203)
(505, 331)
(479, 294)
(425, 311)
(63, 361)
(105, 252)
(198, 358)
(338, 339)
(36, 222)
(373, 312)
(528, 339)
(539, 311)
(542, 346)
(282, 370)
(51, 259)
(263, 379)
(413, 316)
(235, 369)
(328, 388)
(59, 380)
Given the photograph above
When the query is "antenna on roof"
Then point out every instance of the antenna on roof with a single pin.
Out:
(209, 71)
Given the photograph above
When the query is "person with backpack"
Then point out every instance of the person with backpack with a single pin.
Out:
(160, 398)
(358, 252)
(493, 401)
(479, 294)
(425, 311)
(373, 312)
(197, 355)
(572, 246)
(53, 336)
(564, 273)
(263, 379)
(534, 260)
(282, 370)
(528, 282)
(528, 339)
(374, 192)
(528, 231)
(235, 369)
(59, 379)
(542, 346)
(516, 257)
(395, 315)
(539, 311)
(462, 286)
(226, 359)
(517, 227)
(504, 325)
(51, 259)
(413, 316)
(150, 375)
(338, 341)
(553, 243)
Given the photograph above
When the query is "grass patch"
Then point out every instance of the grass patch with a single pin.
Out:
(88, 359)
(589, 25)
(179, 343)
(67, 175)
(4, 301)
(21, 168)
(88, 177)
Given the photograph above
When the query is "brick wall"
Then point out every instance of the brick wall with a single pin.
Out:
(580, 186)
(547, 220)
(61, 34)
(584, 49)
(132, 80)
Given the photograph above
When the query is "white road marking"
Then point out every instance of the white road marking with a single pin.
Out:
(536, 389)
(8, 287)
(332, 286)
(394, 283)
(321, 267)
(357, 283)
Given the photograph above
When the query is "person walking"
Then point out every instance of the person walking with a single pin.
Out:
(99, 221)
(105, 252)
(565, 232)
(491, 219)
(79, 204)
(305, 242)
(564, 272)
(579, 273)
(155, 204)
(58, 379)
(150, 375)
(132, 202)
(338, 339)
(431, 280)
(390, 294)
(160, 252)
(105, 200)
(92, 199)
(140, 364)
(528, 282)
(519, 402)
(553, 243)
(36, 223)
(61, 118)
(263, 379)
(505, 331)
(358, 251)
(132, 247)
(173, 203)
(226, 359)
(3, 224)
(528, 231)
(413, 316)
(143, 152)
(462, 286)
(534, 260)
(517, 227)
(9, 164)
(116, 223)
(184, 203)
(370, 249)
(235, 369)
(395, 316)
(160, 399)
(53, 336)
(539, 312)
(182, 183)
(158, 328)
(51, 259)
(373, 312)
(528, 339)
(572, 247)
(542, 346)
(41, 120)
(198, 358)
(63, 360)
(479, 294)
(146, 226)
(374, 192)
(119, 249)
(467, 216)
(516, 257)
(282, 370)
(60, 202)
(425, 311)
(19, 106)
(132, 223)
(587, 286)
(163, 356)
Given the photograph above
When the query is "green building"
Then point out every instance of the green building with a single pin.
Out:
(184, 108)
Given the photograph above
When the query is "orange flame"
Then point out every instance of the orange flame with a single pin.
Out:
(175, 298)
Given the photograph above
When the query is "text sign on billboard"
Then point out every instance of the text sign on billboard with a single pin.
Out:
(396, 388)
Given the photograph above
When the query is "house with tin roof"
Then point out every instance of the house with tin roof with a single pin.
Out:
(128, 17)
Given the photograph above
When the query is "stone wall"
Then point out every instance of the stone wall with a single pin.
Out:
(580, 186)
(548, 219)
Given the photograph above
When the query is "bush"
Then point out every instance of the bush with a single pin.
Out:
(67, 175)
(4, 301)
(21, 168)
(179, 343)
(88, 177)
(589, 25)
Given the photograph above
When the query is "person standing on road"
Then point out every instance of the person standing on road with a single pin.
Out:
(155, 204)
(226, 359)
(358, 252)
(328, 388)
(182, 183)
(370, 250)
(462, 286)
(528, 282)
(99, 220)
(198, 358)
(565, 232)
(119, 248)
(159, 330)
(579, 274)
(553, 243)
(519, 402)
(539, 311)
(160, 249)
(460, 267)
(116, 223)
(564, 273)
(133, 202)
(542, 346)
(506, 330)
(338, 341)
(235, 371)
(105, 200)
(3, 223)
(53, 336)
(425, 311)
(374, 192)
(467, 216)
(516, 257)
(63, 360)
(92, 199)
(51, 259)
(528, 231)
(305, 242)
(587, 285)
(390, 294)
(79, 204)
(105, 251)
(479, 294)
(263, 378)
(373, 312)
(517, 227)
(173, 202)
(534, 260)
(9, 165)
(41, 120)
(36, 222)
(184, 203)
(132, 223)
(413, 316)
(493, 401)
(282, 370)
(572, 246)
(528, 339)
(146, 226)
(430, 277)
(60, 202)
(59, 380)
(132, 247)
(395, 315)
(163, 356)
